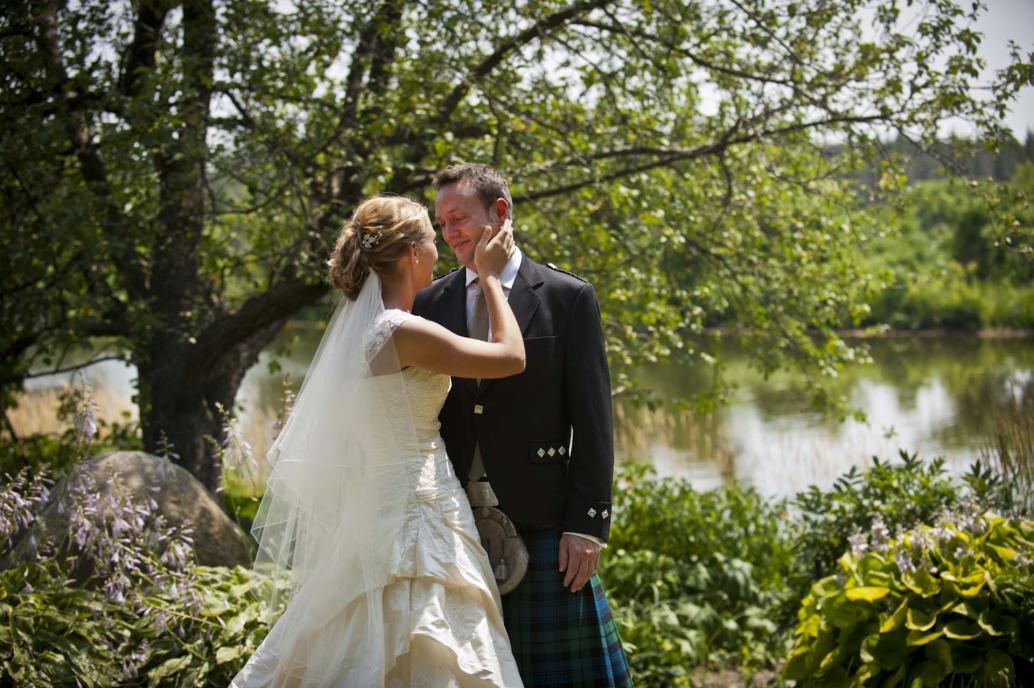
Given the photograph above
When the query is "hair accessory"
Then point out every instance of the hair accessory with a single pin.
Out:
(369, 240)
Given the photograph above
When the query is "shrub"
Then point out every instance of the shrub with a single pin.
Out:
(896, 497)
(951, 602)
(56, 634)
(694, 577)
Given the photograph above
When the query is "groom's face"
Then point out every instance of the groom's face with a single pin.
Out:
(462, 217)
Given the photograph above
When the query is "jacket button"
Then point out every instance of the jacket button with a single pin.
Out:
(478, 409)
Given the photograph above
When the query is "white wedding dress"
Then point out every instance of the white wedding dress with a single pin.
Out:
(439, 610)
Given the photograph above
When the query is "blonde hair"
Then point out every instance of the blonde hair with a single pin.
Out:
(380, 232)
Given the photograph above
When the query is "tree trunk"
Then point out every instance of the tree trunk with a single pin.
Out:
(180, 405)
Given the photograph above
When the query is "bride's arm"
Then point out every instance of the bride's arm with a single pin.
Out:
(425, 344)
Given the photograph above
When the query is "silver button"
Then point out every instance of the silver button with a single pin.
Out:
(605, 513)
(591, 512)
(478, 409)
(562, 450)
(542, 452)
(551, 451)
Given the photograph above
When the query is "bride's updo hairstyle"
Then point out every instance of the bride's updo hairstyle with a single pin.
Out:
(379, 233)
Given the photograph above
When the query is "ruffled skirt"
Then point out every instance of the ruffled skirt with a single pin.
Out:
(437, 622)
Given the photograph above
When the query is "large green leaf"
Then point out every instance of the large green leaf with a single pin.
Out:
(999, 670)
(922, 583)
(940, 651)
(929, 673)
(867, 593)
(962, 629)
(919, 620)
(897, 619)
(996, 623)
(918, 638)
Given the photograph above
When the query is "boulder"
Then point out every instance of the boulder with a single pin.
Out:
(181, 499)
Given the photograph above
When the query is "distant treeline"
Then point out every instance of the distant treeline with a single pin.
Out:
(956, 157)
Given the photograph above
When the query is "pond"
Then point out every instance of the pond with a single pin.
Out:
(933, 396)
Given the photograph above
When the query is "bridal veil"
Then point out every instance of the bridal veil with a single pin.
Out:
(335, 501)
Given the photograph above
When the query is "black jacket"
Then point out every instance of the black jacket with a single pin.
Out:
(525, 423)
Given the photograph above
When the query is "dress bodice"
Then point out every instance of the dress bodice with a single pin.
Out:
(427, 392)
(415, 395)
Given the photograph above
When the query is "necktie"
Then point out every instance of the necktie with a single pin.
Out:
(477, 328)
(478, 325)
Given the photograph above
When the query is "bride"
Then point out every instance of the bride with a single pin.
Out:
(389, 584)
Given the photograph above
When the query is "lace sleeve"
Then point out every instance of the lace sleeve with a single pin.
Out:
(382, 330)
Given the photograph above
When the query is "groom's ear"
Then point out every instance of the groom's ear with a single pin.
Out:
(501, 209)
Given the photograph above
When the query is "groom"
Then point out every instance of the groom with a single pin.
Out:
(517, 432)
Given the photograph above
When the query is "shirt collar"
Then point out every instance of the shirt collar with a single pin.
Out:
(509, 273)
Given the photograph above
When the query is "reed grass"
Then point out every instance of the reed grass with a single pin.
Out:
(1010, 450)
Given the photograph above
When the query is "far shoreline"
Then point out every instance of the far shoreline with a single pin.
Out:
(939, 333)
(920, 333)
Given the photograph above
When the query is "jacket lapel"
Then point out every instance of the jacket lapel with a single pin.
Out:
(451, 312)
(451, 309)
(523, 300)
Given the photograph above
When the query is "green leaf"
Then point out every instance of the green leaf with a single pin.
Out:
(962, 629)
(918, 620)
(919, 638)
(867, 593)
(970, 608)
(167, 668)
(921, 583)
(1007, 554)
(996, 623)
(940, 651)
(228, 654)
(930, 673)
(999, 670)
(895, 620)
(890, 650)
(966, 660)
(895, 678)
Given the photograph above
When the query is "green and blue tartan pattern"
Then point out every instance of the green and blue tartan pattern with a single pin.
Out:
(560, 638)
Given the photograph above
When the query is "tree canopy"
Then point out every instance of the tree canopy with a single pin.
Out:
(175, 171)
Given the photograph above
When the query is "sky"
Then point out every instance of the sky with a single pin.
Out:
(1003, 21)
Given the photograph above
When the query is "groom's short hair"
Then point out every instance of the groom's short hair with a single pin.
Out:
(487, 182)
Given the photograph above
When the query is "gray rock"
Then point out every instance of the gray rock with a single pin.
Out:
(181, 499)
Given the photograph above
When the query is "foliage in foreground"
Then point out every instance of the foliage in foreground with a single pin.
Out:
(694, 577)
(707, 580)
(56, 634)
(699, 581)
(949, 602)
(895, 497)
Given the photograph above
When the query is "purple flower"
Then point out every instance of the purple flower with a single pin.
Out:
(859, 544)
(879, 533)
(904, 562)
(86, 419)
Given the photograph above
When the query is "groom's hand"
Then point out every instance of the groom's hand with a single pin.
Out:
(578, 559)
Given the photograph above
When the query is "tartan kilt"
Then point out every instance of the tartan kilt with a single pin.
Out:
(560, 638)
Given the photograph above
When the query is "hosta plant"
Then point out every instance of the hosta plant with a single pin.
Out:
(951, 604)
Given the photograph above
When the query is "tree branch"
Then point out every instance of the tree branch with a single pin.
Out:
(537, 30)
(91, 166)
(257, 313)
(665, 157)
(142, 54)
(78, 366)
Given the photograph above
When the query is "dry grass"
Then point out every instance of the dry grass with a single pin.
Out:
(1011, 450)
(36, 410)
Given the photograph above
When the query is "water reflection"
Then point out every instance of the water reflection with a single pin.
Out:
(932, 396)
(936, 397)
